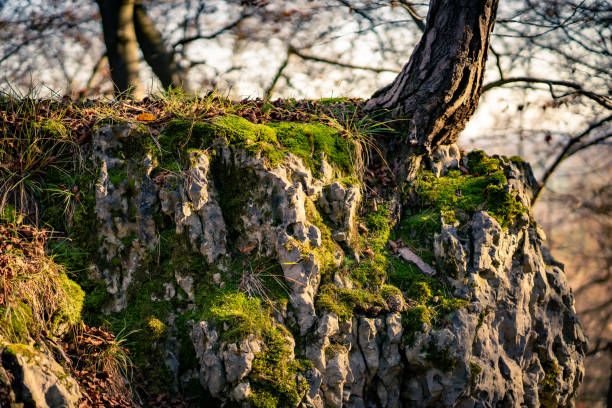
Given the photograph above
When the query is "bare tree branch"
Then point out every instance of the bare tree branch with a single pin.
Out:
(97, 68)
(600, 99)
(217, 33)
(418, 20)
(278, 75)
(568, 151)
(497, 63)
(338, 63)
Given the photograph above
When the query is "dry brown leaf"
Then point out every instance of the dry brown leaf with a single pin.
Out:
(145, 117)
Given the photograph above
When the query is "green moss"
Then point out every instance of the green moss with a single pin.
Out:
(243, 315)
(325, 253)
(447, 304)
(345, 302)
(413, 321)
(518, 160)
(55, 128)
(116, 176)
(422, 224)
(349, 181)
(454, 192)
(96, 298)
(502, 205)
(390, 290)
(274, 140)
(273, 377)
(70, 308)
(440, 358)
(18, 349)
(262, 398)
(240, 131)
(433, 300)
(16, 322)
(379, 226)
(456, 196)
(308, 140)
(333, 349)
(371, 273)
(475, 371)
(181, 134)
(551, 374)
(156, 328)
(409, 278)
(420, 291)
(480, 164)
(255, 138)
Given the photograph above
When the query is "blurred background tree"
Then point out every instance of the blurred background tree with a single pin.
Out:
(546, 95)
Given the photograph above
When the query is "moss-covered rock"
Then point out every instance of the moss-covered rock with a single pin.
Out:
(309, 141)
(240, 255)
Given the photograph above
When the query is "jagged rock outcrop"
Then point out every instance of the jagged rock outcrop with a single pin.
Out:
(354, 325)
(32, 378)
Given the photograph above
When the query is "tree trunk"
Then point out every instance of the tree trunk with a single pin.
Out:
(154, 50)
(609, 396)
(438, 89)
(121, 45)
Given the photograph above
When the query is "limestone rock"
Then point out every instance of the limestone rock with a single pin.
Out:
(444, 158)
(37, 380)
(518, 326)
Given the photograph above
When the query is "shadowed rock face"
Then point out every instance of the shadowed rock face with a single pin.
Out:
(36, 379)
(513, 339)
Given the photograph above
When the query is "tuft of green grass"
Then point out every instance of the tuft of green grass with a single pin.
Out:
(28, 151)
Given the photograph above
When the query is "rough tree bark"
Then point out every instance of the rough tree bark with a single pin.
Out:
(438, 89)
(121, 45)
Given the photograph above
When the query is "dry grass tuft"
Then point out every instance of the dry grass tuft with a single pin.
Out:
(37, 299)
(102, 367)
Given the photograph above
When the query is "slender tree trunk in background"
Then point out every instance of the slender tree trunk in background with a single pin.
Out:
(154, 50)
(609, 396)
(121, 45)
(438, 89)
